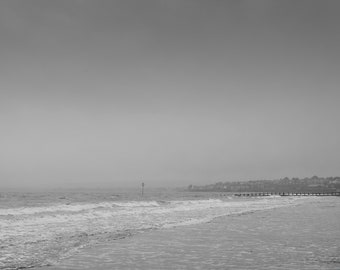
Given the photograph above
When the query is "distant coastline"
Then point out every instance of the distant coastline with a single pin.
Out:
(308, 184)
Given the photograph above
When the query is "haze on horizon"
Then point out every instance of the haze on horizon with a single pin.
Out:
(170, 92)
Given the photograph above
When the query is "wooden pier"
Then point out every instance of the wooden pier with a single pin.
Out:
(259, 194)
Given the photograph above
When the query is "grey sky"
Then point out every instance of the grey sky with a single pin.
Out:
(106, 93)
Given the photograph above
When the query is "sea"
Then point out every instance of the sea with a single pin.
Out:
(40, 229)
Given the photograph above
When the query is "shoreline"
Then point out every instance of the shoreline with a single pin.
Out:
(305, 236)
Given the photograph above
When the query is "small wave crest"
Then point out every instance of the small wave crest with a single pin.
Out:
(137, 204)
(51, 208)
(62, 208)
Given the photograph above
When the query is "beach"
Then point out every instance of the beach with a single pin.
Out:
(168, 134)
(298, 236)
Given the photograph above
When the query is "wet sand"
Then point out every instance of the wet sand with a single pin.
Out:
(306, 236)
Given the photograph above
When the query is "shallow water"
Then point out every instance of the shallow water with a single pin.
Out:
(39, 229)
(304, 236)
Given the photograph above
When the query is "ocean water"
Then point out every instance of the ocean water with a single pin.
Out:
(42, 228)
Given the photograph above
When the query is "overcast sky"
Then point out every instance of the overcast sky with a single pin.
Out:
(169, 92)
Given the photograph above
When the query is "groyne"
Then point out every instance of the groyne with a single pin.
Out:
(258, 194)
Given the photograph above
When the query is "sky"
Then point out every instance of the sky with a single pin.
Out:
(110, 94)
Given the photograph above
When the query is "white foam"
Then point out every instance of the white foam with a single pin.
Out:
(52, 208)
(74, 207)
(137, 204)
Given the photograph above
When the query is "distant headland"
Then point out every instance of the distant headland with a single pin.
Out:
(313, 184)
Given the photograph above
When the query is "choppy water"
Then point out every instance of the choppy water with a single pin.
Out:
(41, 228)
